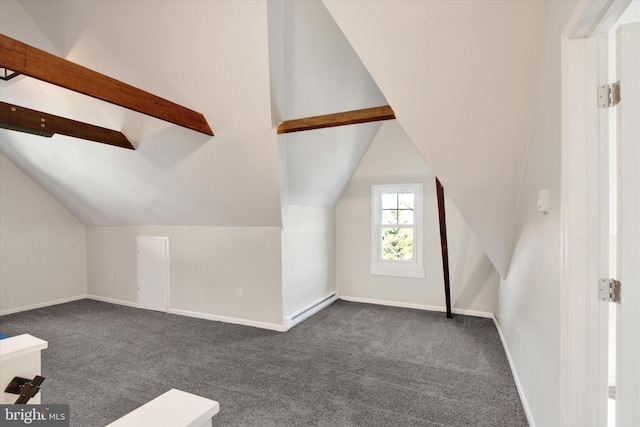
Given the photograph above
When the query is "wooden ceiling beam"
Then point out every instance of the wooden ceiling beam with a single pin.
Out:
(22, 119)
(365, 115)
(30, 61)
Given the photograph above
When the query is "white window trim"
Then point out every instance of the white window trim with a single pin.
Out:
(380, 267)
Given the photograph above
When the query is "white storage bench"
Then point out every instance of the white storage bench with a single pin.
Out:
(174, 408)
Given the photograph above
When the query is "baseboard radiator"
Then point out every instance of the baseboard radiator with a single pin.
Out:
(311, 309)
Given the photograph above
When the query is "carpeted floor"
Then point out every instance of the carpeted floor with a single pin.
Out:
(349, 365)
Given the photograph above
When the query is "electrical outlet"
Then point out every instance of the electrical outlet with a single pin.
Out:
(543, 201)
(112, 277)
(518, 338)
(373, 283)
(239, 292)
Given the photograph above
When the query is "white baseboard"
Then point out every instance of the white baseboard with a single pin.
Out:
(309, 310)
(198, 315)
(113, 301)
(42, 304)
(523, 398)
(462, 311)
(225, 319)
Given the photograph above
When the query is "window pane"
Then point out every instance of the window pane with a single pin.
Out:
(389, 216)
(389, 200)
(405, 216)
(405, 200)
(397, 244)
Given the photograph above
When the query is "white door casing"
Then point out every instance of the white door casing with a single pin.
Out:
(584, 319)
(628, 320)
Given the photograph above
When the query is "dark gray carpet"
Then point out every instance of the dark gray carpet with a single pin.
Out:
(349, 365)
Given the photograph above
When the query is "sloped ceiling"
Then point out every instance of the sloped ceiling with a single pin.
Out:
(210, 56)
(246, 66)
(461, 77)
(315, 71)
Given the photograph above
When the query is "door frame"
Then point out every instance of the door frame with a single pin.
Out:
(584, 214)
(168, 268)
(628, 232)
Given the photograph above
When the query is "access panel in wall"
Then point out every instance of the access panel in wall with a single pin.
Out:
(153, 273)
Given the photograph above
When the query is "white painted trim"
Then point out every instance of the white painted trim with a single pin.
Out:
(225, 319)
(42, 305)
(309, 310)
(582, 401)
(198, 315)
(462, 311)
(514, 372)
(580, 221)
(628, 228)
(395, 268)
(113, 301)
(594, 18)
(408, 270)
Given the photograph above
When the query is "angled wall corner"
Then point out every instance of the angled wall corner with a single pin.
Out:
(308, 257)
(315, 71)
(437, 63)
(34, 230)
(392, 159)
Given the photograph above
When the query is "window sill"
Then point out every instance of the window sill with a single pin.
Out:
(398, 271)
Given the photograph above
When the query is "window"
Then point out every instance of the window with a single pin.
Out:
(396, 232)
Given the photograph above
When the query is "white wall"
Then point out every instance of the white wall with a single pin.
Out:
(314, 70)
(461, 77)
(318, 63)
(392, 158)
(308, 257)
(42, 245)
(207, 265)
(210, 56)
(529, 297)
